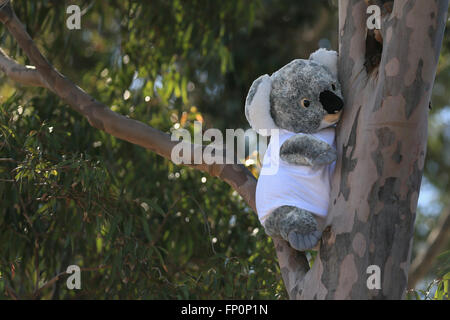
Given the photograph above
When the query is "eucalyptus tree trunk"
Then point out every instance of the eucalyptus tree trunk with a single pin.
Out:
(387, 76)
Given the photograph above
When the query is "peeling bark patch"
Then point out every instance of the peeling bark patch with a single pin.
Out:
(279, 247)
(296, 291)
(438, 33)
(392, 67)
(397, 156)
(414, 200)
(332, 255)
(348, 275)
(392, 225)
(372, 247)
(379, 98)
(385, 138)
(415, 179)
(330, 238)
(388, 34)
(414, 92)
(293, 260)
(349, 164)
(372, 199)
(285, 271)
(387, 276)
(387, 193)
(359, 244)
(346, 66)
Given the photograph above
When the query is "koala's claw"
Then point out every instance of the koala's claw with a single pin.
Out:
(302, 242)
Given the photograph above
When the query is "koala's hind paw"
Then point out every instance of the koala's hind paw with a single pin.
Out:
(297, 226)
(301, 241)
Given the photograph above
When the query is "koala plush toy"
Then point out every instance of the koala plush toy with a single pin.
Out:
(303, 100)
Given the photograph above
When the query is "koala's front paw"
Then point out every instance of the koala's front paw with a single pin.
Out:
(326, 157)
(297, 226)
(307, 150)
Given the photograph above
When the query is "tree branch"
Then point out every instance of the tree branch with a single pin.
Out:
(101, 116)
(26, 75)
(436, 242)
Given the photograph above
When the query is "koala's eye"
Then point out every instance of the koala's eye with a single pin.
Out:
(305, 102)
(333, 87)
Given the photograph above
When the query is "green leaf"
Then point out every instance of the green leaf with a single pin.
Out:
(443, 263)
(146, 229)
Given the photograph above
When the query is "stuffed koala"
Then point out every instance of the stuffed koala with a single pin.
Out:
(303, 100)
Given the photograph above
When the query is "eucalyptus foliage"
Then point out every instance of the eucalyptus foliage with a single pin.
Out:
(138, 226)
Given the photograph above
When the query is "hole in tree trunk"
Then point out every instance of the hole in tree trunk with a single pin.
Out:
(374, 39)
(374, 47)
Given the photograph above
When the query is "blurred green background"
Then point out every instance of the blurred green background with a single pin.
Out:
(141, 227)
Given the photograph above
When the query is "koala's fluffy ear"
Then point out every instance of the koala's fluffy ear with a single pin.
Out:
(326, 57)
(257, 106)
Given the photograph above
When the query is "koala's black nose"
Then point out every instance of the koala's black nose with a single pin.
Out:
(331, 102)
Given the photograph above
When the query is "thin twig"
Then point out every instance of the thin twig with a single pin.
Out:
(205, 217)
(436, 243)
(161, 226)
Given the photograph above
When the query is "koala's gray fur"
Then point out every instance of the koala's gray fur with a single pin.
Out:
(251, 94)
(297, 80)
(290, 85)
(307, 150)
(293, 224)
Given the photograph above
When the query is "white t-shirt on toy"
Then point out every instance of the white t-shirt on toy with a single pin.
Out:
(293, 185)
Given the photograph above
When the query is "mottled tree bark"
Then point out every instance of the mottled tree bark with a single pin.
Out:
(381, 143)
